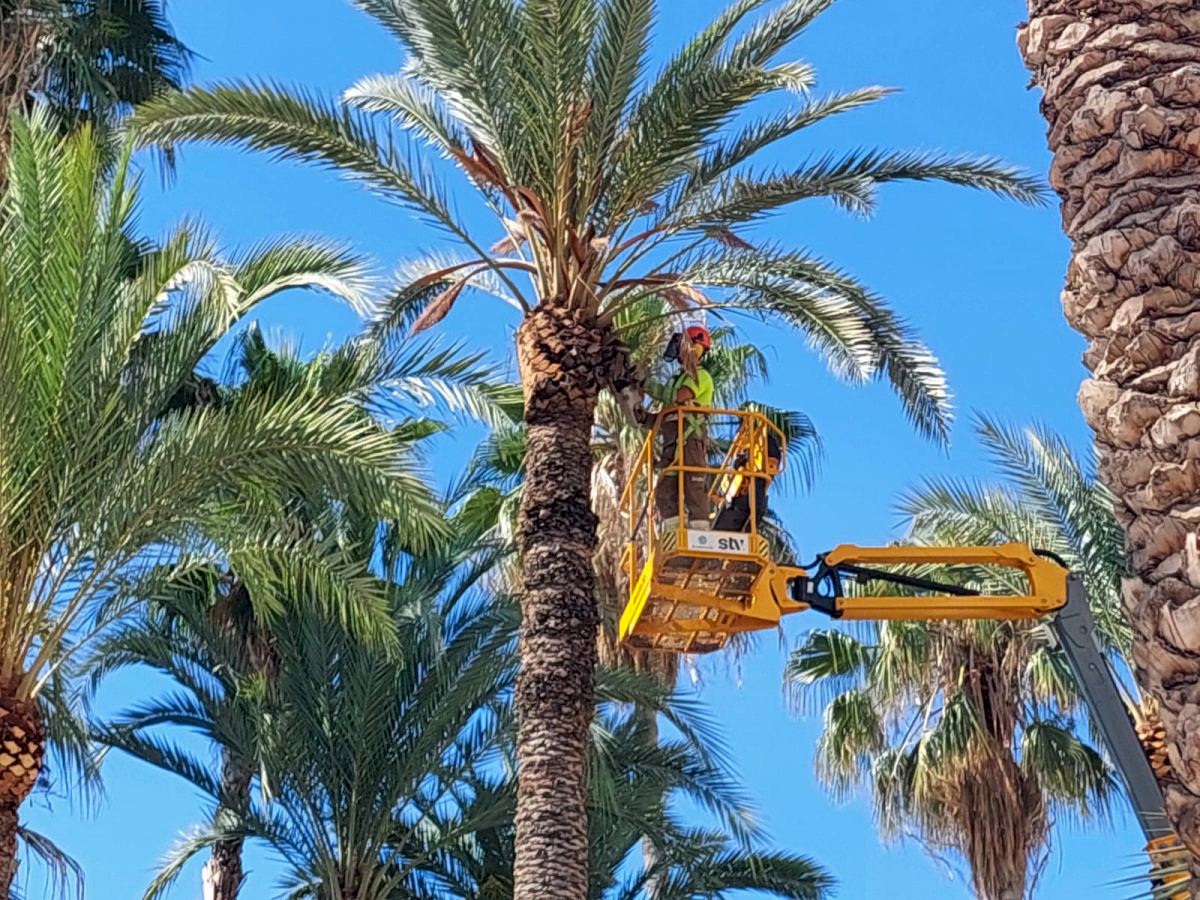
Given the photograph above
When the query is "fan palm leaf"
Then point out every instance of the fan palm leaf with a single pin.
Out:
(89, 61)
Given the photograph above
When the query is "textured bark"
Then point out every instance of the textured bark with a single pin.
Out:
(19, 70)
(1002, 821)
(21, 754)
(1121, 83)
(223, 875)
(257, 653)
(649, 851)
(562, 356)
(9, 820)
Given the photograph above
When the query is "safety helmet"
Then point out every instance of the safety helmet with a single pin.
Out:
(699, 335)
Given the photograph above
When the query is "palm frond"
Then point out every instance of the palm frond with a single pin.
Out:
(853, 733)
(618, 58)
(804, 448)
(850, 180)
(701, 864)
(826, 665)
(758, 136)
(64, 876)
(100, 59)
(294, 125)
(853, 328)
(426, 373)
(412, 105)
(276, 265)
(1075, 776)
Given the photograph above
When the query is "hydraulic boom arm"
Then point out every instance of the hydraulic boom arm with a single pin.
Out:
(823, 589)
(1053, 593)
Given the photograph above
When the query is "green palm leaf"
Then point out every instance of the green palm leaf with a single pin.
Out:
(121, 462)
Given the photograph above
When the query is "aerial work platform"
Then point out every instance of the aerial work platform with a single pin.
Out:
(693, 585)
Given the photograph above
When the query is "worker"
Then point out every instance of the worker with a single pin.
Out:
(735, 516)
(692, 386)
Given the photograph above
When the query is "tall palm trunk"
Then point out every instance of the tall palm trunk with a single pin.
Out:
(1122, 98)
(21, 753)
(223, 875)
(1001, 813)
(19, 70)
(10, 820)
(560, 354)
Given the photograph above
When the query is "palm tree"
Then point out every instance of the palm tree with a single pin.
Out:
(498, 465)
(88, 60)
(213, 610)
(373, 765)
(353, 743)
(965, 732)
(1120, 150)
(225, 693)
(102, 482)
(604, 185)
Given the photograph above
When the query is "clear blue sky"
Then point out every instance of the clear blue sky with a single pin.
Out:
(980, 277)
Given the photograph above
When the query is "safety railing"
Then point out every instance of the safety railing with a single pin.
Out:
(726, 456)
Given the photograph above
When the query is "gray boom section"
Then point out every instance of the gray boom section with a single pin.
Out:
(1075, 629)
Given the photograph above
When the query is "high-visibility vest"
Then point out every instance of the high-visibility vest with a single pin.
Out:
(702, 395)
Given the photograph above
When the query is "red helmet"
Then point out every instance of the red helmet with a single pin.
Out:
(699, 335)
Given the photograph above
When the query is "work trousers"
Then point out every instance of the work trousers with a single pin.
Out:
(695, 494)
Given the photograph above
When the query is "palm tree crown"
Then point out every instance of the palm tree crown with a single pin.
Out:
(110, 476)
(96, 58)
(102, 477)
(605, 184)
(87, 60)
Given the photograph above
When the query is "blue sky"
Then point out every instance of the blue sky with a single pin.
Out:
(978, 275)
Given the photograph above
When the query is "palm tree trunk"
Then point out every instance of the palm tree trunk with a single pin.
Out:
(19, 70)
(223, 875)
(9, 821)
(560, 352)
(1122, 98)
(649, 851)
(21, 754)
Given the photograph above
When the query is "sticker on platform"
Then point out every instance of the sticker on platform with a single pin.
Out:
(718, 541)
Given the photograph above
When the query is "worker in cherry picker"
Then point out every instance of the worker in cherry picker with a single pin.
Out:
(734, 515)
(691, 386)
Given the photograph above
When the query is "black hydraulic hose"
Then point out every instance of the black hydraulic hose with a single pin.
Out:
(1051, 555)
(924, 584)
